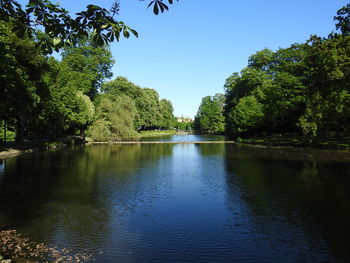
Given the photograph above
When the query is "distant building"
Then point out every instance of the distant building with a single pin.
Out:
(182, 119)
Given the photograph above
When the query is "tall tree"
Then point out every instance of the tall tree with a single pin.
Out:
(90, 65)
(167, 112)
(114, 120)
(302, 88)
(210, 118)
(146, 100)
(73, 84)
(22, 85)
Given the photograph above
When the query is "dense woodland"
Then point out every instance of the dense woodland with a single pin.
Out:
(42, 97)
(45, 97)
(304, 88)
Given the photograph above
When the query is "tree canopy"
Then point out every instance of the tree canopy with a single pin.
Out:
(210, 118)
(152, 113)
(43, 96)
(62, 29)
(302, 88)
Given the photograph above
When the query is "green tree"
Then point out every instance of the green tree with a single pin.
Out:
(149, 115)
(114, 120)
(67, 108)
(328, 72)
(168, 118)
(249, 82)
(73, 83)
(302, 88)
(89, 64)
(22, 86)
(210, 118)
(247, 116)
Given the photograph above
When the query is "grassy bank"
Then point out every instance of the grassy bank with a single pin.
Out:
(156, 133)
(323, 142)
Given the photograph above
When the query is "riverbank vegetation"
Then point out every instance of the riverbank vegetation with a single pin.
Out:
(302, 89)
(157, 133)
(43, 97)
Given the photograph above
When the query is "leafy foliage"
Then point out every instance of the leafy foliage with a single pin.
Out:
(303, 88)
(45, 97)
(248, 115)
(151, 113)
(210, 118)
(62, 29)
(22, 85)
(114, 120)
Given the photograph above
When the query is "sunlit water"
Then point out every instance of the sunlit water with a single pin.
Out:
(181, 203)
(185, 138)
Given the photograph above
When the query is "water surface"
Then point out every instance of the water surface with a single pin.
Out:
(185, 138)
(181, 203)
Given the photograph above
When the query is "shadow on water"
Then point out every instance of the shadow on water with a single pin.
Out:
(68, 195)
(303, 205)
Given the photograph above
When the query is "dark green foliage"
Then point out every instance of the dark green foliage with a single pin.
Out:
(303, 88)
(23, 89)
(343, 20)
(62, 29)
(210, 118)
(183, 126)
(328, 100)
(247, 116)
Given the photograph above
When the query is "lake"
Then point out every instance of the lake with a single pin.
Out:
(182, 202)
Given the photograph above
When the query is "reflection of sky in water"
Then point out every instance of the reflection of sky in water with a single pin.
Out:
(185, 138)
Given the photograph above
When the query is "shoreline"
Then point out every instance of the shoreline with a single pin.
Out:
(12, 149)
(331, 144)
(337, 143)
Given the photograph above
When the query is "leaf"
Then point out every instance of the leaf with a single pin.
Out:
(21, 32)
(56, 41)
(98, 40)
(126, 33)
(134, 32)
(163, 6)
(150, 4)
(93, 7)
(155, 9)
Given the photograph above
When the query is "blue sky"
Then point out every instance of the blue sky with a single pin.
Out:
(188, 52)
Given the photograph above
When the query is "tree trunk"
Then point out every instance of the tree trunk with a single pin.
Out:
(20, 130)
(5, 128)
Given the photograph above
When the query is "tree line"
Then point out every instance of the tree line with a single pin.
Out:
(42, 96)
(303, 88)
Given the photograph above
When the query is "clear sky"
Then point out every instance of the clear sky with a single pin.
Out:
(189, 51)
